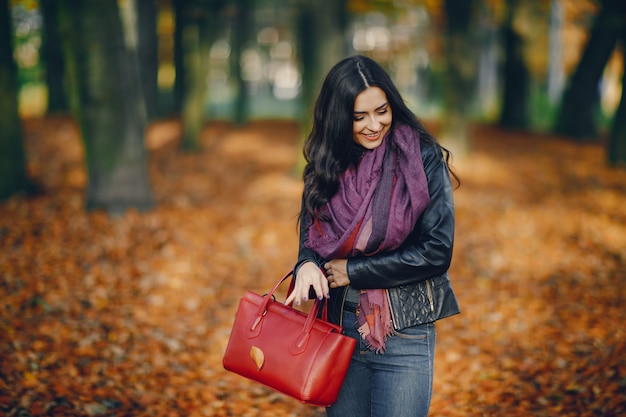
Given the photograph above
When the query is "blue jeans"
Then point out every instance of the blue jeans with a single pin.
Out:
(396, 383)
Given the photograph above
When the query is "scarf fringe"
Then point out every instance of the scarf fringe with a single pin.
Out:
(374, 319)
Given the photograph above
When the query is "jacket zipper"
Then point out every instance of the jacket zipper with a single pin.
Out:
(343, 305)
(393, 317)
(430, 296)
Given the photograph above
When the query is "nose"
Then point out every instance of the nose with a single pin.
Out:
(374, 124)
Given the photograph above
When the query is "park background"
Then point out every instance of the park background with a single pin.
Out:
(150, 157)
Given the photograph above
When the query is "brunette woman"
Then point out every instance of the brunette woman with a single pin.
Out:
(376, 235)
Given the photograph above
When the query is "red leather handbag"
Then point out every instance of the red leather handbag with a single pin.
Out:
(299, 355)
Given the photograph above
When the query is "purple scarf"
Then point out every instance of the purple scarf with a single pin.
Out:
(375, 209)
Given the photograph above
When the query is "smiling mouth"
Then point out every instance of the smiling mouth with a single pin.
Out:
(372, 136)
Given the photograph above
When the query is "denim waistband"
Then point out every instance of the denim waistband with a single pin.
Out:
(349, 306)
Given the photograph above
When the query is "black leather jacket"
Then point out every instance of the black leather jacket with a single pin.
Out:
(415, 274)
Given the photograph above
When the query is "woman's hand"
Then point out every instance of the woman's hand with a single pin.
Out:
(309, 275)
(337, 273)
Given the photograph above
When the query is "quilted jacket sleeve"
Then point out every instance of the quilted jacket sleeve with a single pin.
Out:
(427, 252)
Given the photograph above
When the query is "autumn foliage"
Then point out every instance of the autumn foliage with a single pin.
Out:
(130, 315)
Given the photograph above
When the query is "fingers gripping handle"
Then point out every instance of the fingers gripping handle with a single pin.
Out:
(300, 343)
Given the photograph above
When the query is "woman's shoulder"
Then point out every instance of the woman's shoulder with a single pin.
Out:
(427, 142)
(430, 149)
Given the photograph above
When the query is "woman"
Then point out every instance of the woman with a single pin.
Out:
(376, 234)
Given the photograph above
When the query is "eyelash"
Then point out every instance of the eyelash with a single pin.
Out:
(359, 118)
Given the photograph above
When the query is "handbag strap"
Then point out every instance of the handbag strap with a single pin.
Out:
(270, 296)
(289, 291)
(300, 343)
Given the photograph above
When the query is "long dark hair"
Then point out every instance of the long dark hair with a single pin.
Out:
(330, 148)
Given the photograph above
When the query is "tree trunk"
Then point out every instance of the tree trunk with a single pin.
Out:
(178, 7)
(198, 27)
(581, 98)
(148, 54)
(238, 42)
(321, 25)
(488, 71)
(107, 103)
(515, 101)
(320, 37)
(616, 153)
(53, 58)
(556, 75)
(460, 75)
(193, 100)
(12, 156)
(196, 44)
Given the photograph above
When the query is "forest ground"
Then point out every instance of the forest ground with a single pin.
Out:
(130, 316)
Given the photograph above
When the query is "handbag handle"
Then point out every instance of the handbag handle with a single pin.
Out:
(299, 345)
(291, 287)
(263, 307)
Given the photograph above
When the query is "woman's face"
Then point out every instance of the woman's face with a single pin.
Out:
(372, 117)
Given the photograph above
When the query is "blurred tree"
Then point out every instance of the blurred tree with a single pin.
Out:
(581, 98)
(147, 53)
(514, 113)
(616, 154)
(106, 100)
(488, 72)
(52, 57)
(460, 73)
(198, 22)
(321, 26)
(240, 35)
(178, 8)
(556, 75)
(13, 177)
